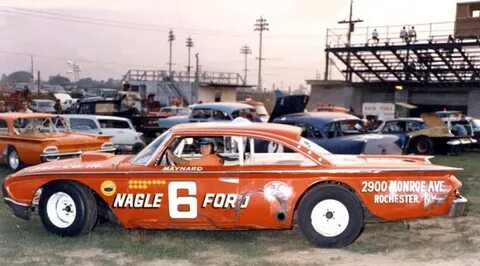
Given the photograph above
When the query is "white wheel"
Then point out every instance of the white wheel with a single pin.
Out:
(330, 217)
(13, 160)
(61, 210)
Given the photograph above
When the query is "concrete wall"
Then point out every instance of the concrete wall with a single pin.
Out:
(342, 94)
(474, 103)
(207, 93)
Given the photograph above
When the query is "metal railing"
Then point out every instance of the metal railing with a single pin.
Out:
(215, 78)
(390, 35)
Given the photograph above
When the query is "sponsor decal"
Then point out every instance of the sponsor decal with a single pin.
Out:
(183, 168)
(404, 192)
(108, 188)
(225, 201)
(144, 184)
(138, 201)
(67, 166)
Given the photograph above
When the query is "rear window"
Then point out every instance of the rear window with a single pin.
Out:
(202, 113)
(83, 125)
(105, 123)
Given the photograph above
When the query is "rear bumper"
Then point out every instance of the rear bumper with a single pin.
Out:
(458, 207)
(461, 141)
(18, 209)
(49, 157)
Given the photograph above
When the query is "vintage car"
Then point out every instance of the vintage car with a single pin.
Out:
(170, 111)
(144, 123)
(42, 106)
(213, 176)
(206, 112)
(29, 139)
(124, 136)
(427, 135)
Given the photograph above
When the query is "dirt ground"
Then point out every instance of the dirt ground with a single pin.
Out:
(438, 241)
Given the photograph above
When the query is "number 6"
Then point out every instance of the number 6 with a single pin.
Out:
(174, 200)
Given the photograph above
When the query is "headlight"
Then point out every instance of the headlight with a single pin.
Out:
(107, 145)
(50, 149)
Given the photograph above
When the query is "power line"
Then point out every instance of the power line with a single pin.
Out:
(112, 23)
(136, 26)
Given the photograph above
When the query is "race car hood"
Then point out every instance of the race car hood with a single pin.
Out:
(387, 163)
(88, 162)
(292, 104)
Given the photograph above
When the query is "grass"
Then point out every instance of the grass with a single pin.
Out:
(27, 242)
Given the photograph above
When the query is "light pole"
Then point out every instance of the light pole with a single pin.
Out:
(261, 25)
(245, 50)
(171, 38)
(189, 46)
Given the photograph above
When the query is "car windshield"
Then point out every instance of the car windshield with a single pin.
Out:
(144, 157)
(34, 125)
(313, 147)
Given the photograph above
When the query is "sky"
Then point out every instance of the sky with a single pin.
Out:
(109, 37)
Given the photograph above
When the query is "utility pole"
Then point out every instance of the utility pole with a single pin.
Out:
(189, 46)
(171, 38)
(261, 25)
(351, 28)
(39, 83)
(245, 50)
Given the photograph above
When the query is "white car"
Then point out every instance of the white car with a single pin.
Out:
(124, 136)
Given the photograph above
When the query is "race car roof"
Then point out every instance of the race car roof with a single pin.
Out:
(24, 115)
(216, 128)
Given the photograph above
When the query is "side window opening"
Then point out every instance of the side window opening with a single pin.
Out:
(3, 127)
(266, 152)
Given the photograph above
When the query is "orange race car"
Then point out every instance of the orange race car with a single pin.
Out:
(234, 176)
(33, 138)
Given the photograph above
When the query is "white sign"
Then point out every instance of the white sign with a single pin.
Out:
(384, 111)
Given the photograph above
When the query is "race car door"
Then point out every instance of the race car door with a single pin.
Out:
(268, 178)
(201, 196)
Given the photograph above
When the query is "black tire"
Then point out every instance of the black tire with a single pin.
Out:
(423, 146)
(320, 195)
(84, 202)
(137, 147)
(12, 152)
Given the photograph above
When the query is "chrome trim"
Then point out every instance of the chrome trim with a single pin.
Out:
(232, 180)
(333, 171)
(15, 202)
(59, 154)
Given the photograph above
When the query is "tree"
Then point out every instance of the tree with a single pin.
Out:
(58, 80)
(19, 77)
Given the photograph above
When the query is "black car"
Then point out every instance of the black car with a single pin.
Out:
(339, 133)
(148, 125)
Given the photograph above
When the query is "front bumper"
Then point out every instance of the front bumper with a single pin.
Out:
(49, 157)
(458, 207)
(19, 209)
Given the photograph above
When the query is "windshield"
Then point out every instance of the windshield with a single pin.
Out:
(145, 156)
(313, 147)
(34, 125)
